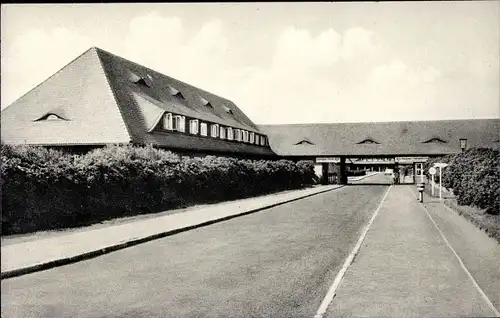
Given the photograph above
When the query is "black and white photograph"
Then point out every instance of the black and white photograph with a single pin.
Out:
(250, 159)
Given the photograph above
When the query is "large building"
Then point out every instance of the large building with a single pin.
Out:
(378, 145)
(100, 98)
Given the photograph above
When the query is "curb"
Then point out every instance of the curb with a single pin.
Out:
(112, 248)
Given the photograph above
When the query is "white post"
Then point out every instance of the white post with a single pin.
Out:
(422, 172)
(440, 182)
(432, 185)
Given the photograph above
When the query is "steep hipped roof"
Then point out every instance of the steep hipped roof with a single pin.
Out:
(393, 138)
(107, 99)
(80, 93)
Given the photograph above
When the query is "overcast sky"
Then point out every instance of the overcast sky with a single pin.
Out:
(281, 62)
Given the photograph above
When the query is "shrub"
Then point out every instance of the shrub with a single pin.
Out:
(47, 189)
(474, 176)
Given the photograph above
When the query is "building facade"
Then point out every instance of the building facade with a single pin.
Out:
(100, 98)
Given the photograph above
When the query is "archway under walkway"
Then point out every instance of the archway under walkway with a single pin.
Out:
(377, 170)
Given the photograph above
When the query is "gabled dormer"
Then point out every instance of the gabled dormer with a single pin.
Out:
(139, 80)
(205, 102)
(228, 110)
(304, 141)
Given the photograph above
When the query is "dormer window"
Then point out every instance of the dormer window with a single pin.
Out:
(228, 110)
(50, 117)
(174, 92)
(305, 142)
(230, 133)
(205, 102)
(368, 141)
(139, 80)
(435, 140)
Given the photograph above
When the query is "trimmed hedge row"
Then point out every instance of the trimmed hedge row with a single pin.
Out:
(474, 176)
(48, 189)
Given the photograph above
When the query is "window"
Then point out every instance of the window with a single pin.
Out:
(222, 132)
(305, 142)
(245, 136)
(142, 82)
(168, 122)
(257, 139)
(139, 80)
(193, 126)
(237, 134)
(368, 141)
(230, 134)
(215, 130)
(179, 123)
(263, 140)
(252, 137)
(203, 129)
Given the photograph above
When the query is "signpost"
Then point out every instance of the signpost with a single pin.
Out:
(440, 165)
(432, 171)
(410, 159)
(328, 159)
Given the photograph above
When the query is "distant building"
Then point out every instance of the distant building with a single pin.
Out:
(379, 145)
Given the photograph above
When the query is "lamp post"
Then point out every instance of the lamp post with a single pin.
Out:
(463, 143)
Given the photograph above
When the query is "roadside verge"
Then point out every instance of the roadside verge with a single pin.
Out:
(28, 257)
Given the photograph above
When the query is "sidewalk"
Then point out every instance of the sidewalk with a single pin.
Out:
(406, 268)
(370, 174)
(26, 257)
(479, 252)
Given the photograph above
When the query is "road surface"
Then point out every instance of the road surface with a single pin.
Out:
(278, 262)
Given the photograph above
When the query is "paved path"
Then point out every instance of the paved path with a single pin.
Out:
(479, 252)
(405, 268)
(278, 262)
(34, 255)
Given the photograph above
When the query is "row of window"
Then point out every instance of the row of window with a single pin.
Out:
(174, 122)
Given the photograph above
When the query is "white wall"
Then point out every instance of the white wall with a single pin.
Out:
(318, 169)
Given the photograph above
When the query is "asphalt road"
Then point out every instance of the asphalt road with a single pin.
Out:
(278, 262)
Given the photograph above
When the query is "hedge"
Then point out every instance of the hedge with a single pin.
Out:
(474, 176)
(47, 189)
